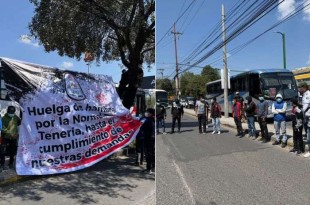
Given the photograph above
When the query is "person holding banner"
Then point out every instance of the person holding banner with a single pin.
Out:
(10, 123)
(148, 131)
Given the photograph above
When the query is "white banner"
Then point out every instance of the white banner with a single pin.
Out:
(70, 121)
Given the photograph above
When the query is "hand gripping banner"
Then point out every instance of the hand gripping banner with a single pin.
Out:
(70, 120)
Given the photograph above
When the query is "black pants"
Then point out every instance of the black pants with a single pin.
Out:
(202, 122)
(297, 139)
(238, 125)
(263, 128)
(139, 150)
(8, 147)
(173, 123)
(150, 154)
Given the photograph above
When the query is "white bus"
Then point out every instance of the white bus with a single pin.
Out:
(268, 82)
(152, 95)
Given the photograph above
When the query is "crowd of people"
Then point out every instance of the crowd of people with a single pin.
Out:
(248, 110)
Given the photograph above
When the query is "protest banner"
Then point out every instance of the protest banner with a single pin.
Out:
(70, 120)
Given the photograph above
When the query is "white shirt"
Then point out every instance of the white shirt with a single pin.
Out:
(305, 100)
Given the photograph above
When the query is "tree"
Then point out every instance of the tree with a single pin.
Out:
(164, 84)
(110, 29)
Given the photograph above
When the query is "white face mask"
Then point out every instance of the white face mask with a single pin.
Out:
(147, 114)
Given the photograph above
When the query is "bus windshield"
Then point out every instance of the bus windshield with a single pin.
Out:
(162, 96)
(283, 83)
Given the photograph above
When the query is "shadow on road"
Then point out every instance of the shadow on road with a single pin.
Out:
(108, 178)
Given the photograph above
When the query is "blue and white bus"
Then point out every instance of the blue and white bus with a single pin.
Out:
(268, 82)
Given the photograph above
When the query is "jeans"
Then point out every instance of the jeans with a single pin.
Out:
(308, 136)
(280, 125)
(216, 124)
(251, 126)
(202, 122)
(160, 122)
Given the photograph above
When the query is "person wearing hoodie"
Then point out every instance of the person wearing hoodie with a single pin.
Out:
(279, 110)
(262, 112)
(250, 113)
(10, 123)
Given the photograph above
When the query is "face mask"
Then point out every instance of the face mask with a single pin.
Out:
(147, 114)
(246, 101)
(261, 98)
(279, 100)
(11, 115)
(212, 101)
(233, 101)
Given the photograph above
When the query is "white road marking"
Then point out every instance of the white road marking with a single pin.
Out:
(184, 182)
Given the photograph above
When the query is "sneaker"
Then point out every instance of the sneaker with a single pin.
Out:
(275, 143)
(164, 133)
(298, 152)
(219, 132)
(213, 132)
(283, 145)
(307, 154)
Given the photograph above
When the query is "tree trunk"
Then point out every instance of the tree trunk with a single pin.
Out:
(134, 79)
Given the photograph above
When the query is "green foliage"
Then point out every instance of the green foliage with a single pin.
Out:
(164, 84)
(111, 29)
(193, 85)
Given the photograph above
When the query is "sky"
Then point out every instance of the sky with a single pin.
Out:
(203, 16)
(15, 17)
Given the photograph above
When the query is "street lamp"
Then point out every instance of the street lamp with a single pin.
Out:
(283, 44)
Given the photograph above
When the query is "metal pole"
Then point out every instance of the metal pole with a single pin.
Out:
(283, 48)
(284, 51)
(176, 63)
(225, 72)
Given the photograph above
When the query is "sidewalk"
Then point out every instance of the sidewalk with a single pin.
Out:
(9, 176)
(230, 123)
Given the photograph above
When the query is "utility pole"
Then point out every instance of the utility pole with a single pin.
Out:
(177, 82)
(284, 50)
(161, 72)
(225, 71)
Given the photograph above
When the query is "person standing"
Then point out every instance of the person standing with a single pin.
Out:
(297, 124)
(305, 102)
(215, 115)
(10, 123)
(279, 110)
(160, 117)
(148, 131)
(242, 106)
(250, 113)
(177, 112)
(262, 112)
(236, 113)
(201, 110)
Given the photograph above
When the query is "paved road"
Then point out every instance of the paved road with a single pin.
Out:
(113, 181)
(224, 169)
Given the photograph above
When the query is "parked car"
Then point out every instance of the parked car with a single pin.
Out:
(191, 101)
(183, 102)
